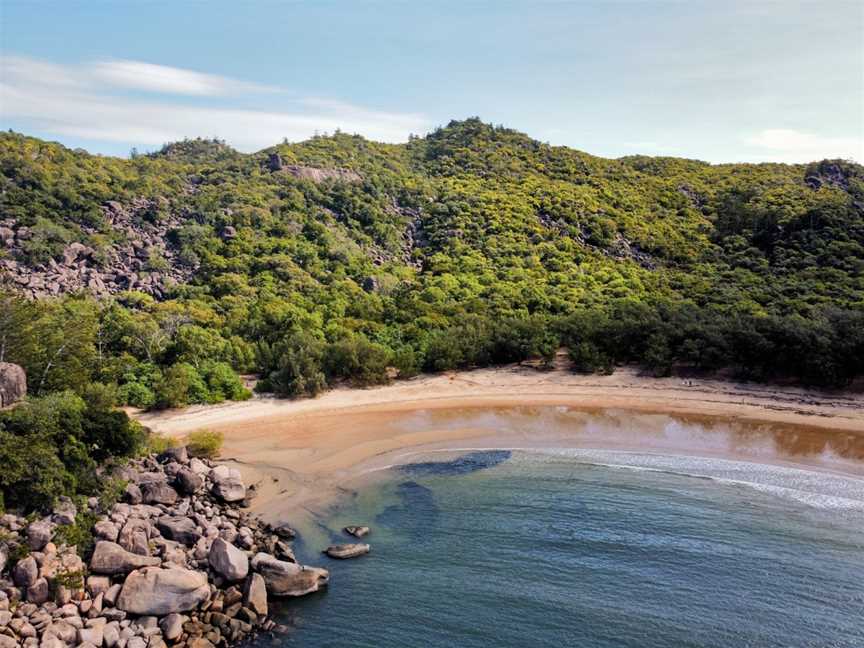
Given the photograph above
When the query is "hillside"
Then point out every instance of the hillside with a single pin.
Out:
(337, 257)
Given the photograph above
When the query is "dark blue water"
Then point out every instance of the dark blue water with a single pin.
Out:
(596, 550)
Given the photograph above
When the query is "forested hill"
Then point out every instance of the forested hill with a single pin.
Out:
(335, 258)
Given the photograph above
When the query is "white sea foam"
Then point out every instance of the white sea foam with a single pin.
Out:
(812, 487)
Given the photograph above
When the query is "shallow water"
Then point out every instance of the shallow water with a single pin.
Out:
(591, 548)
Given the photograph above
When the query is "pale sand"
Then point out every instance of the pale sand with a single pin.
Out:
(304, 451)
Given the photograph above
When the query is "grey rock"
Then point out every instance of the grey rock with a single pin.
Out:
(348, 550)
(25, 572)
(357, 531)
(64, 513)
(229, 489)
(13, 383)
(172, 626)
(38, 592)
(39, 534)
(158, 493)
(188, 481)
(179, 529)
(289, 579)
(163, 591)
(110, 558)
(228, 561)
(135, 537)
(180, 455)
(111, 595)
(132, 494)
(255, 594)
(106, 530)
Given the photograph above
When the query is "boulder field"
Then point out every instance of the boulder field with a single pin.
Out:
(178, 562)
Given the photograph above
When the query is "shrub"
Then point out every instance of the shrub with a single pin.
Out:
(204, 443)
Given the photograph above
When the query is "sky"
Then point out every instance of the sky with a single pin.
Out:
(728, 81)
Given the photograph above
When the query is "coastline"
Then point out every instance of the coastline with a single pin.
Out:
(304, 453)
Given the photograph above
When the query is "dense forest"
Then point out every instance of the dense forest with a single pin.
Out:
(344, 260)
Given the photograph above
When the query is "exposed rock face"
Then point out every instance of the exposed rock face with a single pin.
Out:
(315, 174)
(163, 591)
(228, 561)
(145, 261)
(289, 579)
(111, 558)
(135, 537)
(350, 550)
(13, 383)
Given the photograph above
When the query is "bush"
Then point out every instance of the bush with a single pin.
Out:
(204, 443)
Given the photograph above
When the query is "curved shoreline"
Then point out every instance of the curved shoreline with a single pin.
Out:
(303, 452)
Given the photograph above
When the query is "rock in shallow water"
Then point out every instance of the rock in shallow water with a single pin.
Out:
(289, 579)
(349, 550)
(357, 531)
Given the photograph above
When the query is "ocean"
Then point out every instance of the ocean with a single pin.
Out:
(593, 548)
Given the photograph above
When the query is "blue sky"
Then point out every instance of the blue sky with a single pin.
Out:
(719, 81)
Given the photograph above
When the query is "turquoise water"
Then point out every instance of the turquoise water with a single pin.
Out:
(595, 549)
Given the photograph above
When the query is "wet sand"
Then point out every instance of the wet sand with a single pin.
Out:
(304, 452)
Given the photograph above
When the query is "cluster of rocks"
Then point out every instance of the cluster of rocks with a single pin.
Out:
(179, 562)
(130, 265)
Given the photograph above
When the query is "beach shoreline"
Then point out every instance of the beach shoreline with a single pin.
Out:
(305, 453)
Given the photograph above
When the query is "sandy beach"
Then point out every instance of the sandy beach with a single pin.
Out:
(303, 451)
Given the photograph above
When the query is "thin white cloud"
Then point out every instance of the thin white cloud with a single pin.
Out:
(787, 145)
(162, 78)
(82, 101)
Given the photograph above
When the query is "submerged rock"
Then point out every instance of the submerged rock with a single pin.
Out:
(349, 550)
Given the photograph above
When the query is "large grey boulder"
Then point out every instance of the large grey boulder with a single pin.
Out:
(158, 492)
(13, 383)
(39, 534)
(178, 529)
(111, 558)
(135, 536)
(188, 481)
(255, 594)
(289, 579)
(156, 591)
(228, 488)
(228, 561)
(25, 572)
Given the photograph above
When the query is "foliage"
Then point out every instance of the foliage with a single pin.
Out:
(204, 443)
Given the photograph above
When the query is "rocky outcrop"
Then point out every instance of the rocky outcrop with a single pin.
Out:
(157, 591)
(13, 383)
(193, 573)
(315, 174)
(348, 550)
(144, 261)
